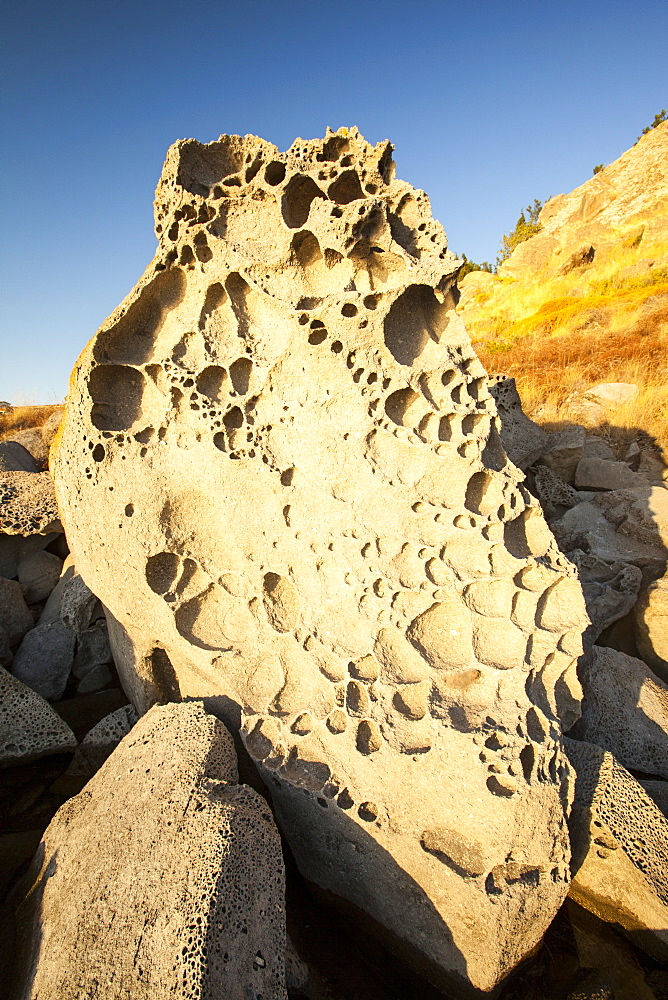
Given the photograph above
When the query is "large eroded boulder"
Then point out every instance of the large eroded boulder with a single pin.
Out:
(281, 471)
(162, 878)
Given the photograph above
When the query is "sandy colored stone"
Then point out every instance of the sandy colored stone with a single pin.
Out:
(29, 727)
(100, 741)
(279, 463)
(162, 878)
(651, 626)
(31, 439)
(612, 394)
(564, 451)
(50, 427)
(620, 849)
(610, 590)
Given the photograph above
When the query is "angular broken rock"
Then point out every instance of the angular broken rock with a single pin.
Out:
(601, 474)
(162, 878)
(281, 471)
(28, 517)
(610, 590)
(102, 740)
(564, 451)
(29, 727)
(625, 710)
(38, 574)
(620, 848)
(15, 617)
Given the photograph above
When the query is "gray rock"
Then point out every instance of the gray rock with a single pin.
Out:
(14, 457)
(15, 617)
(596, 447)
(79, 606)
(93, 649)
(96, 679)
(554, 494)
(6, 655)
(38, 574)
(523, 440)
(44, 659)
(625, 526)
(619, 841)
(186, 860)
(564, 451)
(600, 474)
(625, 710)
(610, 590)
(29, 727)
(31, 439)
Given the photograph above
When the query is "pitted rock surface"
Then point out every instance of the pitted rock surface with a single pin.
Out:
(27, 504)
(29, 727)
(281, 471)
(620, 848)
(162, 878)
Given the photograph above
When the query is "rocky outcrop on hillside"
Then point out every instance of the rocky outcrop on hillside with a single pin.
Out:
(624, 204)
(286, 434)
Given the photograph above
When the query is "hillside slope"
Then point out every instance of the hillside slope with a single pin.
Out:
(586, 300)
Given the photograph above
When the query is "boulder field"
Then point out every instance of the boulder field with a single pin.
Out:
(281, 471)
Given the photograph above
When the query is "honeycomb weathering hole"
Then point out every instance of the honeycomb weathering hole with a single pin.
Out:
(414, 318)
(161, 571)
(297, 198)
(399, 403)
(346, 188)
(116, 391)
(132, 339)
(211, 382)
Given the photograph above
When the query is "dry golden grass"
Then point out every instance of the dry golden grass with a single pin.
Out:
(560, 336)
(23, 417)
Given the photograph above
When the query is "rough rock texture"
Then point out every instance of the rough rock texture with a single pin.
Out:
(610, 590)
(14, 457)
(625, 710)
(285, 432)
(565, 449)
(197, 912)
(15, 617)
(27, 504)
(651, 626)
(102, 740)
(29, 727)
(524, 441)
(658, 792)
(627, 526)
(620, 848)
(44, 659)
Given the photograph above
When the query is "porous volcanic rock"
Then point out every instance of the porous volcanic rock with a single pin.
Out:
(162, 878)
(29, 727)
(281, 471)
(620, 848)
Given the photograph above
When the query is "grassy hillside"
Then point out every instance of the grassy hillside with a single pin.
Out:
(586, 300)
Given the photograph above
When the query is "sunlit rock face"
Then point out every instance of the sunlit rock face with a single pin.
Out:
(281, 471)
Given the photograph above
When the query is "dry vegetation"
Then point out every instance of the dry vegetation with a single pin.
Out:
(23, 417)
(562, 335)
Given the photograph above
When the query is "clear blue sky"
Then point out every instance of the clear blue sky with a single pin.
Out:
(489, 105)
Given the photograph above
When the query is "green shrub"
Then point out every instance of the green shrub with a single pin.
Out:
(524, 229)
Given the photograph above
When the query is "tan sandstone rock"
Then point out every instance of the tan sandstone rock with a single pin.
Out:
(281, 471)
(620, 849)
(651, 626)
(162, 878)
